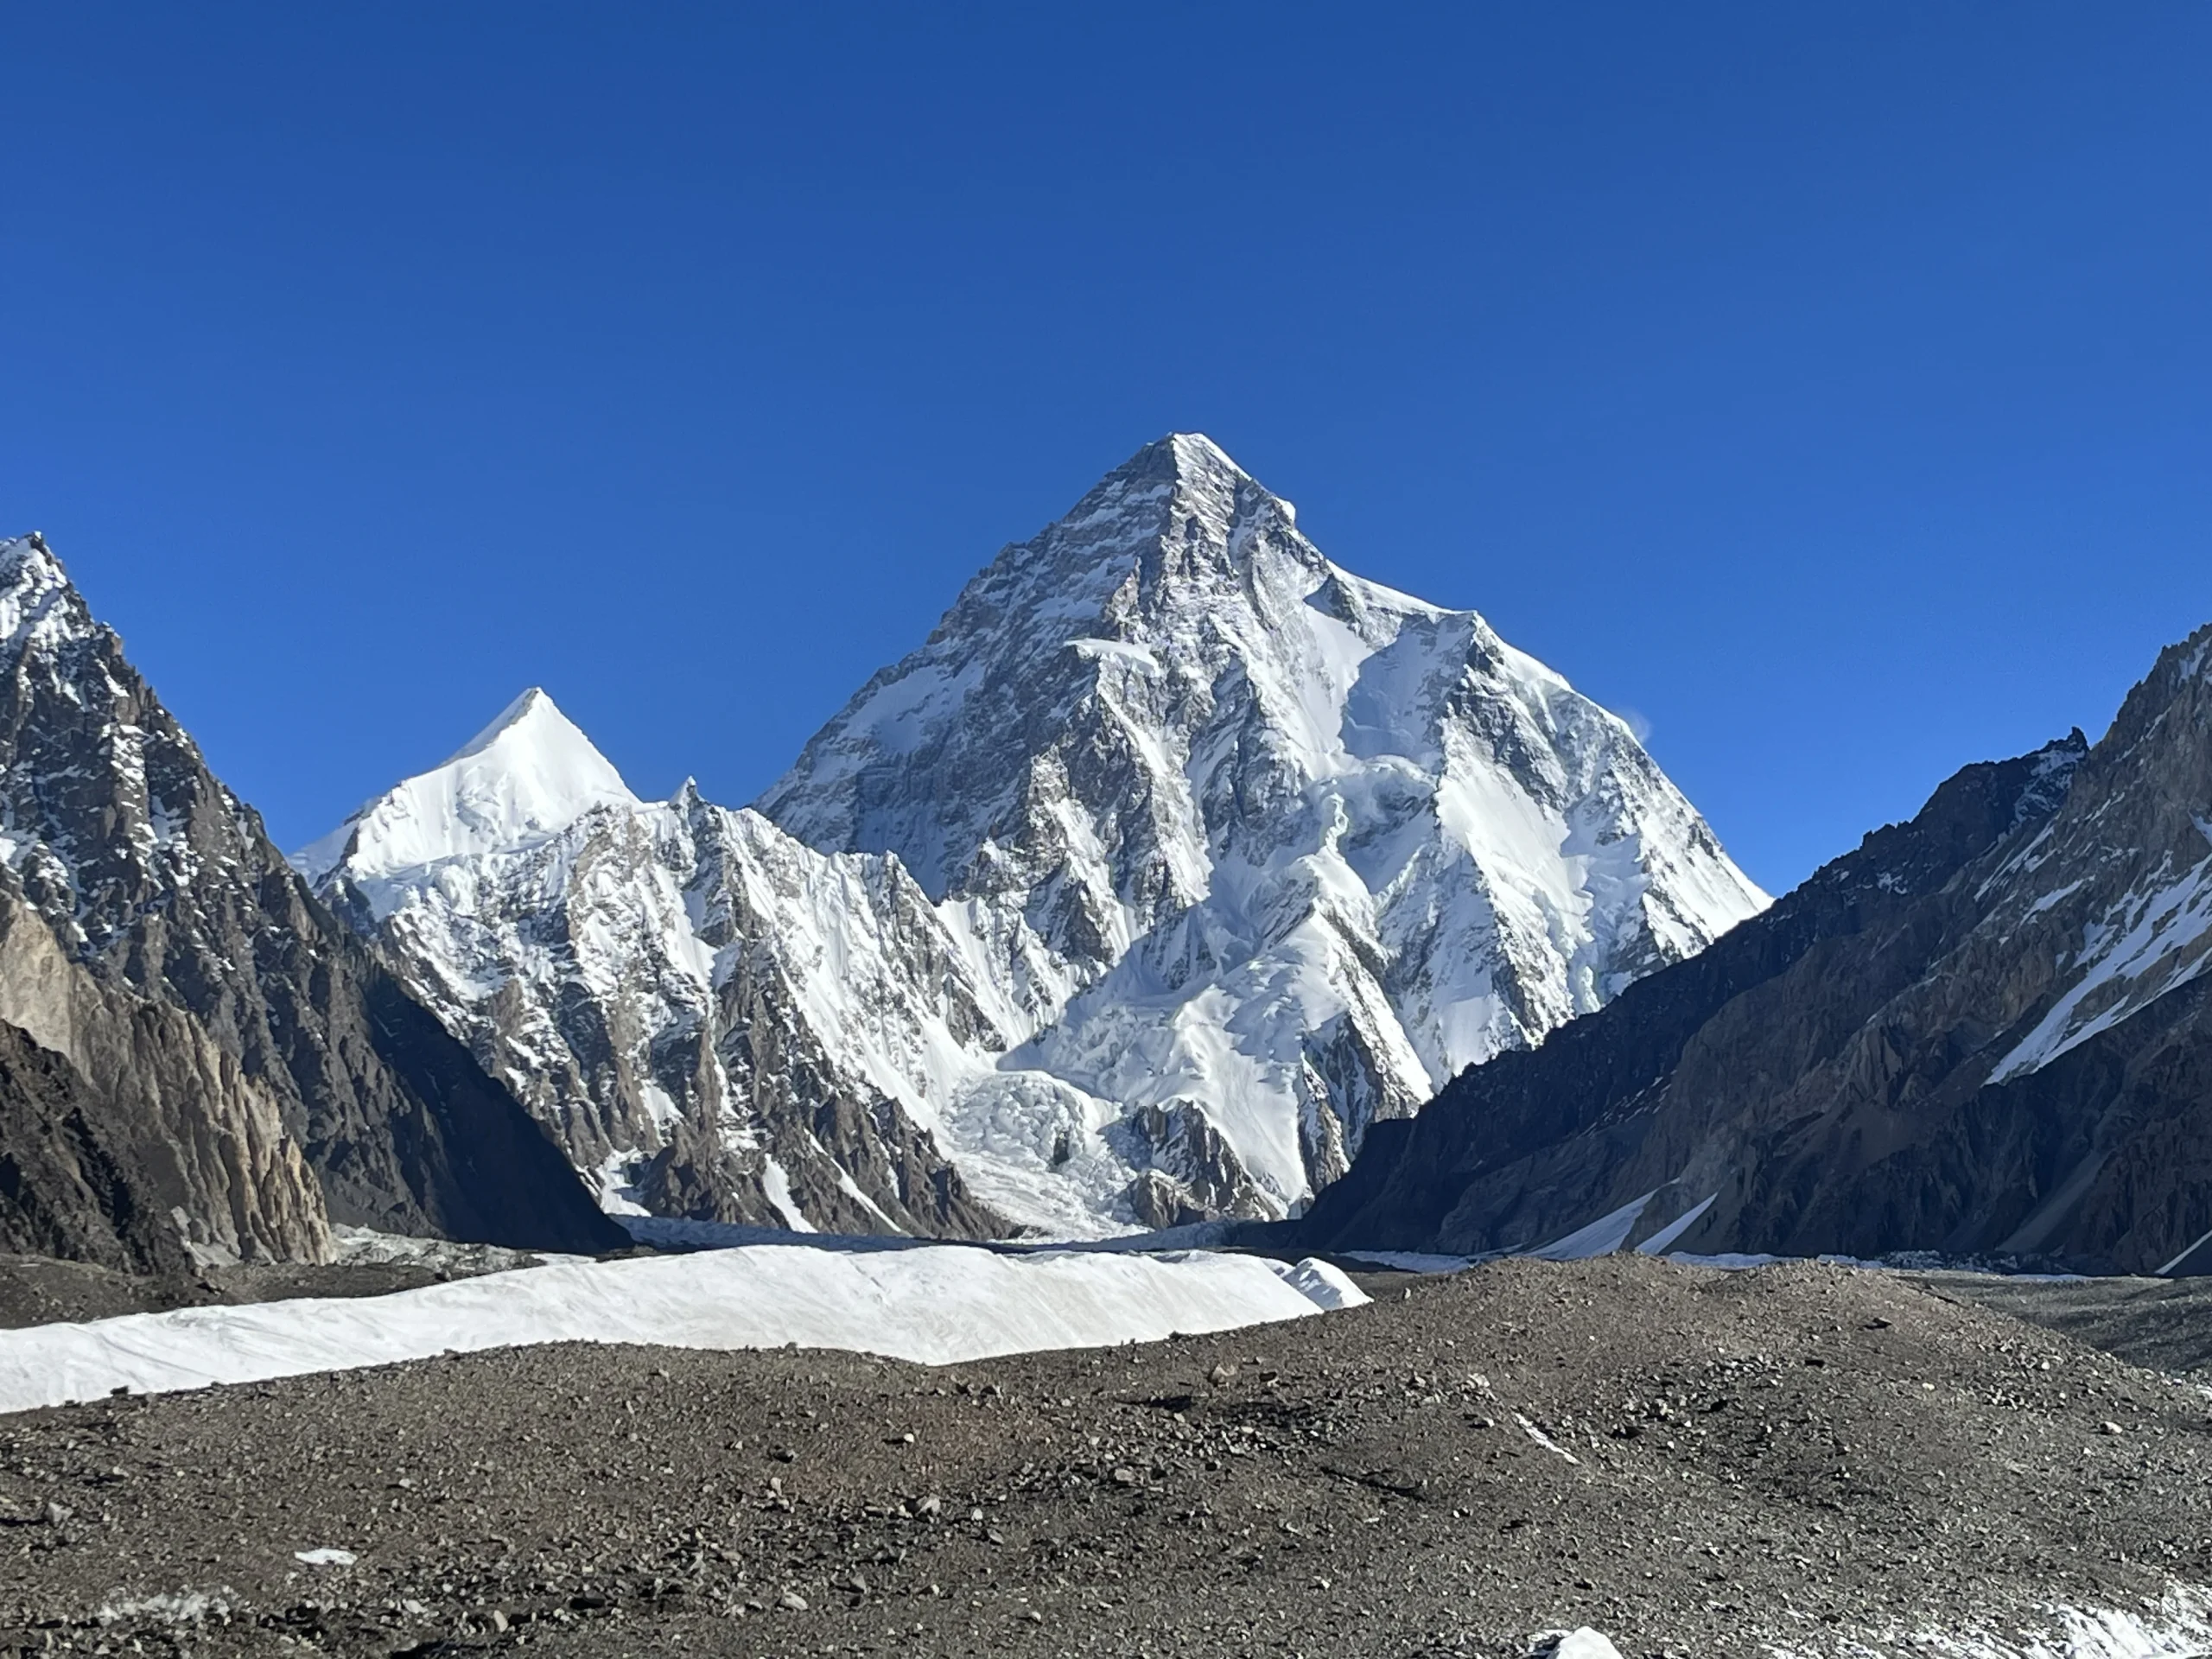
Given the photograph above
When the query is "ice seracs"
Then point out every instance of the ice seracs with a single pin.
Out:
(1175, 857)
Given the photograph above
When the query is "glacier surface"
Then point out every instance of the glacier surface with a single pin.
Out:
(933, 1304)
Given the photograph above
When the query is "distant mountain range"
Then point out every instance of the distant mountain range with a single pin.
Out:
(1173, 861)
(1165, 882)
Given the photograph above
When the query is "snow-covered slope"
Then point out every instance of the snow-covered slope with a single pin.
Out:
(1173, 860)
(528, 775)
(719, 1022)
(936, 1305)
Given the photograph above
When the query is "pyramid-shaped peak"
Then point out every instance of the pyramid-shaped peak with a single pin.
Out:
(537, 758)
(528, 774)
(1195, 452)
(1181, 457)
(1182, 471)
(533, 715)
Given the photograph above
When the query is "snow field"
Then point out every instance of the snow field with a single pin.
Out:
(936, 1305)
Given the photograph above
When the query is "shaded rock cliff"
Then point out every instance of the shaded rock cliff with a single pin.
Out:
(1981, 1032)
(288, 1045)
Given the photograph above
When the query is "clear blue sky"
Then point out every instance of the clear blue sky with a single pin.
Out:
(1831, 385)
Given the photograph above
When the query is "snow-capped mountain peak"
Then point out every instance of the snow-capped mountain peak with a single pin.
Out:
(528, 775)
(37, 603)
(1175, 857)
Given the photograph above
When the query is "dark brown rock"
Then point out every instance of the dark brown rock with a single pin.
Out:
(1981, 1032)
(157, 885)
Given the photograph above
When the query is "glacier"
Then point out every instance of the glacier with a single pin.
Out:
(932, 1304)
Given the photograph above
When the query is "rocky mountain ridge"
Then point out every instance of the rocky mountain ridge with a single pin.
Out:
(1175, 859)
(1984, 1032)
(695, 1004)
(232, 1063)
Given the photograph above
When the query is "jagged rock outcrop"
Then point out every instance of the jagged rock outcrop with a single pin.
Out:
(1173, 860)
(128, 1135)
(154, 938)
(700, 1007)
(1981, 1032)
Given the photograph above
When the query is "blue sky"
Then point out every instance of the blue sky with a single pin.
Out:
(1830, 385)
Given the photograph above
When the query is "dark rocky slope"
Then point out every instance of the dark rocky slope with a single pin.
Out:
(286, 1042)
(1981, 1032)
(73, 1181)
(129, 1137)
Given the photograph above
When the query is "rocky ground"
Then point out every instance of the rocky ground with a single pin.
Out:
(2165, 1323)
(1693, 1462)
(40, 1290)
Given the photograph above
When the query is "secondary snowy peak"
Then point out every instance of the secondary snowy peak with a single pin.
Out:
(716, 1022)
(528, 774)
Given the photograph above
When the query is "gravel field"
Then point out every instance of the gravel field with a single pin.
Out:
(1693, 1462)
(40, 1290)
(2165, 1323)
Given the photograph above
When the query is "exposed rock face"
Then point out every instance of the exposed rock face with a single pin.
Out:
(1984, 1031)
(72, 1183)
(1175, 859)
(128, 1136)
(197, 988)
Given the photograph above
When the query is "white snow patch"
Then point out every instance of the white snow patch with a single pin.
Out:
(170, 1607)
(2193, 1248)
(1325, 1286)
(778, 1186)
(1601, 1237)
(935, 1304)
(1657, 1244)
(610, 1184)
(326, 1557)
(2178, 1627)
(1543, 1439)
(1580, 1644)
(2149, 944)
